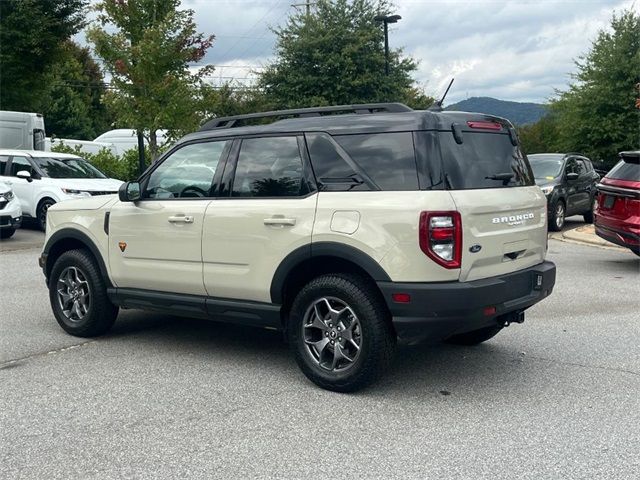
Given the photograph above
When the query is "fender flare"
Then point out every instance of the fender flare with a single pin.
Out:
(70, 233)
(323, 249)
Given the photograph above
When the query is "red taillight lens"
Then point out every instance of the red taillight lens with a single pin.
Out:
(441, 237)
(485, 125)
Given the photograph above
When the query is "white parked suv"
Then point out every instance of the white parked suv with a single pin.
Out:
(10, 212)
(40, 179)
(345, 227)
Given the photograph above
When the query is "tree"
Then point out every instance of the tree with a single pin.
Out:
(148, 49)
(597, 114)
(540, 137)
(335, 55)
(72, 104)
(31, 35)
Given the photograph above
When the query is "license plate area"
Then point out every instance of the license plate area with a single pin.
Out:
(608, 202)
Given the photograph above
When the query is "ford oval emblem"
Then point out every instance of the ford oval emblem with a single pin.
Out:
(475, 248)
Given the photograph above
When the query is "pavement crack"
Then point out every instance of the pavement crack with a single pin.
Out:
(12, 363)
(584, 365)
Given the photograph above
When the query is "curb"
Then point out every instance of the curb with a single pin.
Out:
(585, 235)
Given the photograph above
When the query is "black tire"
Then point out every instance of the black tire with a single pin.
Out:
(377, 340)
(557, 216)
(7, 232)
(41, 214)
(475, 337)
(588, 216)
(100, 312)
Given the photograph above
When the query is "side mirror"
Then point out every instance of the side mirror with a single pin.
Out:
(24, 175)
(129, 192)
(572, 176)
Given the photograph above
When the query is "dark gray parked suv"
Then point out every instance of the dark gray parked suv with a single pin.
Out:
(569, 182)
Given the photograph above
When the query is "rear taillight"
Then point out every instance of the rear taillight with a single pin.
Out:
(441, 237)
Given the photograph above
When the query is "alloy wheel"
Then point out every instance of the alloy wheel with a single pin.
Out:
(74, 294)
(332, 334)
(559, 216)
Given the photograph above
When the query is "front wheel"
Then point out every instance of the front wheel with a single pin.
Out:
(78, 295)
(7, 233)
(42, 213)
(340, 332)
(556, 222)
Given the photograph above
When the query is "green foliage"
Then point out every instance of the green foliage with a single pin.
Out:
(123, 167)
(147, 47)
(335, 55)
(230, 99)
(597, 114)
(73, 107)
(540, 137)
(32, 33)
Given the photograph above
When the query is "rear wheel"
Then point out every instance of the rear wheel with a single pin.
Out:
(340, 332)
(78, 295)
(588, 216)
(42, 213)
(556, 222)
(7, 233)
(476, 336)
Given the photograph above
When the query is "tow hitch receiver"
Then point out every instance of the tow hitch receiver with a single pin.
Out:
(509, 318)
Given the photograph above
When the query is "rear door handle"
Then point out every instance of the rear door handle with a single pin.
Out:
(181, 219)
(280, 221)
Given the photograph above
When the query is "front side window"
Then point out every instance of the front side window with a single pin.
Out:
(18, 164)
(67, 168)
(187, 172)
(269, 167)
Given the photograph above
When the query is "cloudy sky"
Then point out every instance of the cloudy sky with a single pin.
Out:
(509, 49)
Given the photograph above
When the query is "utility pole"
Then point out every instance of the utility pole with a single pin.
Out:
(307, 6)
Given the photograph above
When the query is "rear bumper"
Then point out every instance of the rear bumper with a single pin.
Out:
(439, 310)
(619, 236)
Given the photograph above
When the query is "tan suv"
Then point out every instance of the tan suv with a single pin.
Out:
(346, 227)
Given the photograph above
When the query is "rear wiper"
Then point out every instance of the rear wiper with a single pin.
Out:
(500, 176)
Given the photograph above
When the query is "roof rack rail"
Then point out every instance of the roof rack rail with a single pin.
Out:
(230, 122)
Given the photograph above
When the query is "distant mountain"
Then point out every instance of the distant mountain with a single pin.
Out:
(519, 113)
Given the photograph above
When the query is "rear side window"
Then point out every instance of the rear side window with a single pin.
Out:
(334, 172)
(388, 158)
(269, 167)
(483, 160)
(625, 170)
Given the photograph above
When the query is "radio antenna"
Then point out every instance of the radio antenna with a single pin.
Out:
(437, 105)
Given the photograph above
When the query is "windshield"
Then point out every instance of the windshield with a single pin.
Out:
(67, 168)
(545, 166)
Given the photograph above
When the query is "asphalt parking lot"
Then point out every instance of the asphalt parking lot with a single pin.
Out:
(163, 397)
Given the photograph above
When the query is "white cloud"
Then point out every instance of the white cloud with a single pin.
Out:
(510, 49)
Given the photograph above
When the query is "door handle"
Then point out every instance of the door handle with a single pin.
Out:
(181, 219)
(280, 221)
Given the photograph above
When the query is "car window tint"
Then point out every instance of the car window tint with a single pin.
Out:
(186, 173)
(332, 171)
(388, 158)
(269, 167)
(19, 164)
(581, 167)
(4, 159)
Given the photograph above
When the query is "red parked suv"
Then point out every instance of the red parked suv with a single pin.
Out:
(617, 216)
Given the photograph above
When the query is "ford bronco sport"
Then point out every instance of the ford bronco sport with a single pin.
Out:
(346, 227)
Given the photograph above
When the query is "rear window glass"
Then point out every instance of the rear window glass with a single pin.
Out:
(388, 158)
(483, 160)
(332, 171)
(625, 171)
